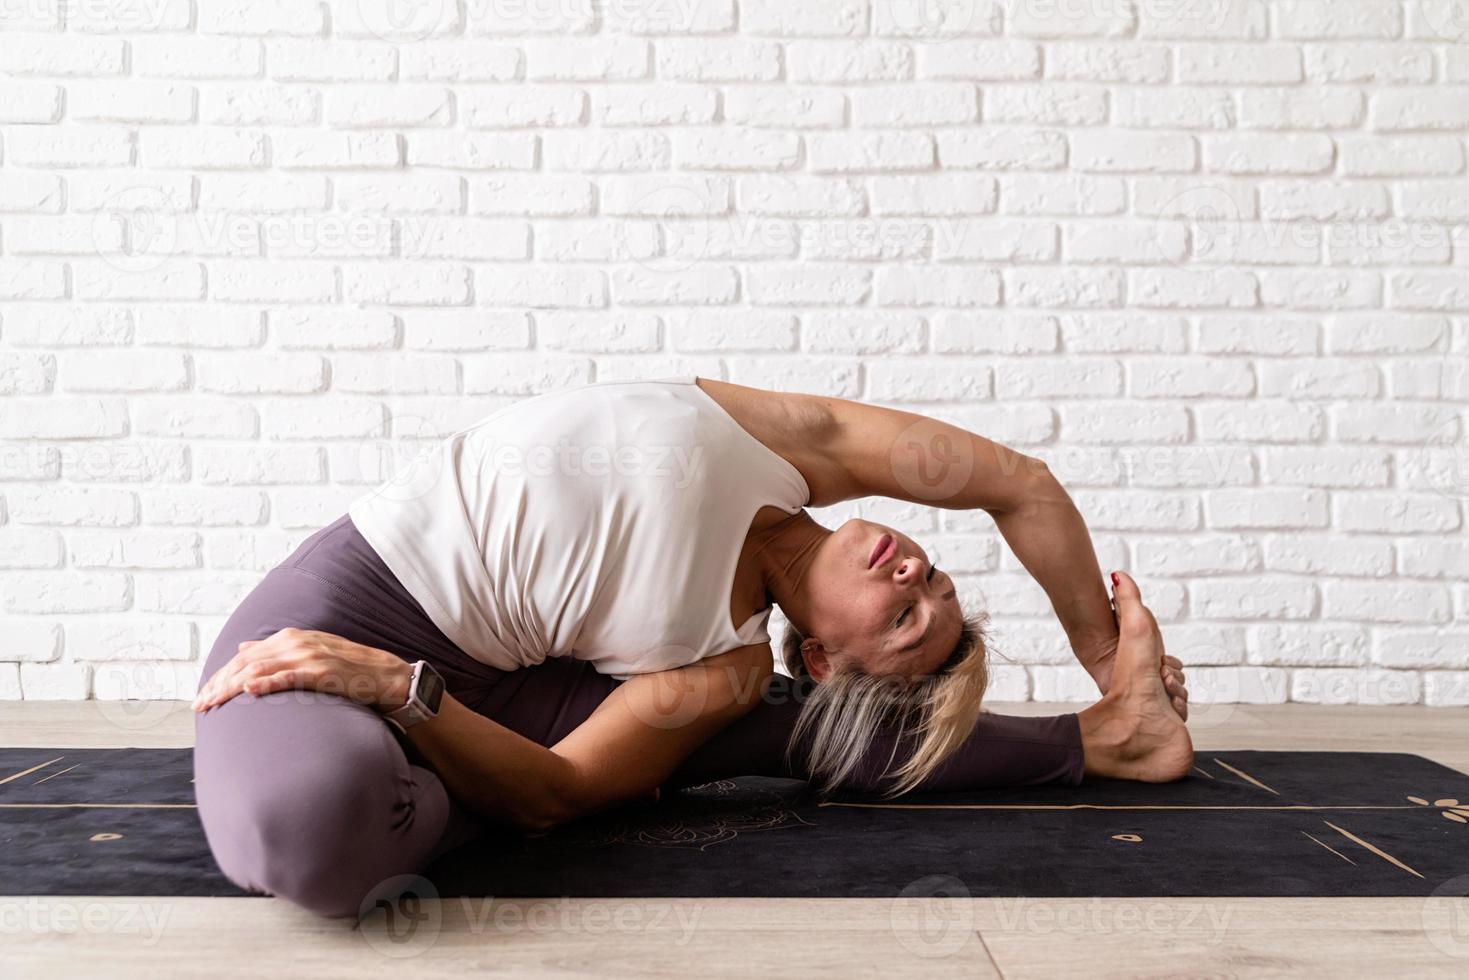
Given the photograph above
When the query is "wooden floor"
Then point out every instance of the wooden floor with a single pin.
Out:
(975, 938)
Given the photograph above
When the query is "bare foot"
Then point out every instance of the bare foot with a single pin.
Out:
(1134, 732)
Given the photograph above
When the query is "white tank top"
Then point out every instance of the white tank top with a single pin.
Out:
(602, 522)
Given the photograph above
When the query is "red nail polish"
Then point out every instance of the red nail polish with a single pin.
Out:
(1114, 580)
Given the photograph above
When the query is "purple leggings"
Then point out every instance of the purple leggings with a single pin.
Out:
(314, 798)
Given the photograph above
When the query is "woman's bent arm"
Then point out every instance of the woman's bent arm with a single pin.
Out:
(624, 750)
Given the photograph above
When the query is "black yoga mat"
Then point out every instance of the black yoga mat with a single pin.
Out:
(122, 822)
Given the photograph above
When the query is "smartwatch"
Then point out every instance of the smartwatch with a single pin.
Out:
(425, 691)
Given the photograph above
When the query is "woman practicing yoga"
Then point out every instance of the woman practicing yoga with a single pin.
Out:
(563, 608)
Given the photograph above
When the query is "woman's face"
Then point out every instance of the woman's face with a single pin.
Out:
(874, 601)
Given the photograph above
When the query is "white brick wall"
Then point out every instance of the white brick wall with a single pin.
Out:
(1207, 257)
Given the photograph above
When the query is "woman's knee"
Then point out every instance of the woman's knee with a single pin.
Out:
(324, 825)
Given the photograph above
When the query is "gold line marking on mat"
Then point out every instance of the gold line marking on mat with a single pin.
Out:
(27, 772)
(1089, 806)
(1333, 850)
(1203, 773)
(1245, 776)
(55, 774)
(1372, 847)
(99, 806)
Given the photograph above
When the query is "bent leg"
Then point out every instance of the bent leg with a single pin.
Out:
(304, 795)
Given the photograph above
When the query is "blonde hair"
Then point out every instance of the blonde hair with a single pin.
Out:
(844, 713)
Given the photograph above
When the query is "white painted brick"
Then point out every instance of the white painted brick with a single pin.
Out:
(1031, 194)
(73, 55)
(1280, 109)
(914, 105)
(1101, 62)
(1002, 148)
(260, 17)
(1434, 558)
(1421, 648)
(518, 194)
(1326, 467)
(426, 193)
(1368, 62)
(1238, 64)
(1268, 154)
(1307, 645)
(869, 151)
(525, 373)
(197, 57)
(548, 287)
(1318, 554)
(912, 380)
(31, 640)
(1395, 513)
(847, 61)
(1123, 423)
(207, 507)
(990, 333)
(1205, 555)
(1252, 335)
(454, 61)
(1175, 108)
(140, 102)
(1386, 602)
(1050, 104)
(301, 60)
(937, 18)
(387, 106)
(49, 593)
(1435, 108)
(1256, 597)
(1112, 152)
(1266, 508)
(54, 682)
(689, 105)
(1098, 333)
(1307, 20)
(1138, 510)
(82, 418)
(26, 547)
(465, 330)
(931, 286)
(525, 106)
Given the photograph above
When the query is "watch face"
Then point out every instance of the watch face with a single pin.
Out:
(430, 688)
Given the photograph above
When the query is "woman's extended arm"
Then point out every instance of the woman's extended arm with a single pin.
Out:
(873, 451)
